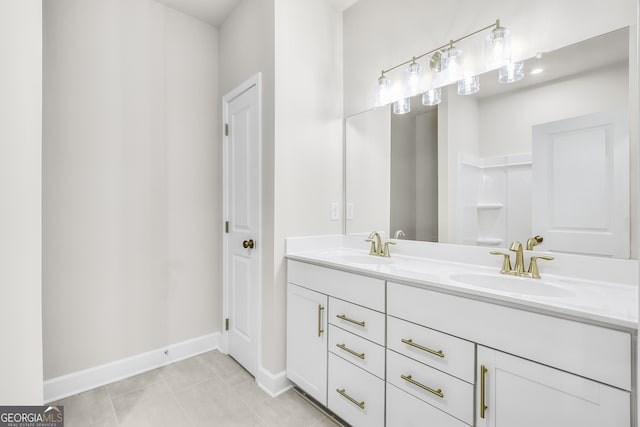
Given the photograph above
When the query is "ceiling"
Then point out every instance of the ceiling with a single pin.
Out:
(215, 12)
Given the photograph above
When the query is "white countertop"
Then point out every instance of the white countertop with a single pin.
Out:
(606, 303)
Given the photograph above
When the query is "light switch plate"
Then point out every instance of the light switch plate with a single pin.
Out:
(335, 211)
(349, 211)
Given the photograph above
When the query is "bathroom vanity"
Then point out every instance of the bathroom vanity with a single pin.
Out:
(434, 335)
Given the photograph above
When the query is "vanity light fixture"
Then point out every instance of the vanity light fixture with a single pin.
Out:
(497, 47)
(452, 63)
(511, 72)
(432, 97)
(469, 85)
(414, 79)
(402, 106)
(446, 62)
(383, 90)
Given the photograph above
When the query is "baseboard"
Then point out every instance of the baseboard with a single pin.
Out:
(77, 382)
(273, 384)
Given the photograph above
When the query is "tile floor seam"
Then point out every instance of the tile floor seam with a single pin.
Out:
(184, 412)
(241, 400)
(113, 408)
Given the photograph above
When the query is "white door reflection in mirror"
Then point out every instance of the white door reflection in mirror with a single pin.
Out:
(581, 192)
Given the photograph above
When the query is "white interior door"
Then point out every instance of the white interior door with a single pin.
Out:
(581, 184)
(242, 157)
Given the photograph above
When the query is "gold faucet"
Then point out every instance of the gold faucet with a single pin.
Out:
(377, 248)
(533, 241)
(518, 269)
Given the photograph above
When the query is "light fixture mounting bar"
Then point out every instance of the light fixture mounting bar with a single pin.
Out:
(495, 25)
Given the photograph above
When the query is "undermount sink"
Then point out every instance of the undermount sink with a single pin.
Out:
(361, 259)
(511, 284)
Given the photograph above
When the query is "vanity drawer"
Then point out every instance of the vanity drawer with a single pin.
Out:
(357, 319)
(456, 396)
(362, 401)
(369, 355)
(368, 291)
(454, 356)
(406, 410)
(591, 351)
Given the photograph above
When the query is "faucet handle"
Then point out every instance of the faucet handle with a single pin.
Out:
(386, 252)
(533, 265)
(373, 250)
(506, 261)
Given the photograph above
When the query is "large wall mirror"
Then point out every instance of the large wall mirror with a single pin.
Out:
(547, 155)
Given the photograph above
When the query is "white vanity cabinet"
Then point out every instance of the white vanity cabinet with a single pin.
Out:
(335, 341)
(307, 340)
(548, 371)
(515, 391)
(381, 353)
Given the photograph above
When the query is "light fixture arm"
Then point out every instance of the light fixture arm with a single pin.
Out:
(495, 25)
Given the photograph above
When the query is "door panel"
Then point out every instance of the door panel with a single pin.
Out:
(581, 191)
(242, 213)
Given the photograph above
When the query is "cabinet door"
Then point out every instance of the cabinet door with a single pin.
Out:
(307, 341)
(518, 392)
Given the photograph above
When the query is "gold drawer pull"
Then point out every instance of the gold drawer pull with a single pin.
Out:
(351, 399)
(483, 405)
(320, 309)
(344, 317)
(437, 392)
(348, 350)
(410, 342)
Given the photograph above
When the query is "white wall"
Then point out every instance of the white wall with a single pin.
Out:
(131, 181)
(403, 174)
(308, 135)
(427, 176)
(247, 46)
(379, 34)
(368, 183)
(505, 121)
(20, 191)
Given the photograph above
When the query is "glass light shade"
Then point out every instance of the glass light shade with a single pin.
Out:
(413, 79)
(511, 72)
(432, 97)
(402, 106)
(452, 64)
(469, 85)
(383, 92)
(497, 48)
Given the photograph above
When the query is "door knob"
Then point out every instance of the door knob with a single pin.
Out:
(248, 244)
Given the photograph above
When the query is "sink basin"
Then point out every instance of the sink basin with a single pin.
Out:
(511, 284)
(360, 259)
(355, 258)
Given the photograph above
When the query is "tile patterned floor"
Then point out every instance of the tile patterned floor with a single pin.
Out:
(206, 390)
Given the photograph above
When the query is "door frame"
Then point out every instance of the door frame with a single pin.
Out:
(255, 80)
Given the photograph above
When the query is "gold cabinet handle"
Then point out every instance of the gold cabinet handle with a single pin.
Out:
(350, 399)
(348, 350)
(320, 330)
(437, 392)
(344, 317)
(410, 342)
(483, 406)
(248, 244)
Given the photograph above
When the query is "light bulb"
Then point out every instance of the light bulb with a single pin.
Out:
(469, 85)
(511, 72)
(413, 79)
(383, 92)
(497, 48)
(432, 97)
(452, 64)
(402, 106)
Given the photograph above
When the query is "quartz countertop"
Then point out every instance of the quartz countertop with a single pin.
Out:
(609, 304)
